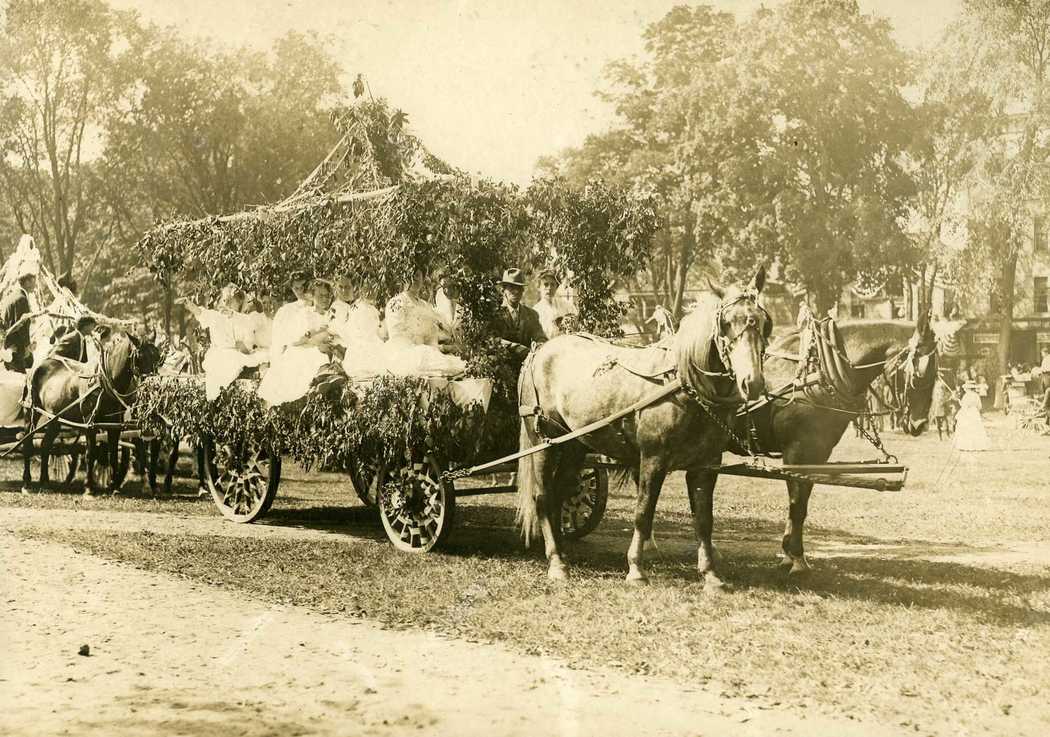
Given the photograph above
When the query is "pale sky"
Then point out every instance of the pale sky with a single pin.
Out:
(490, 86)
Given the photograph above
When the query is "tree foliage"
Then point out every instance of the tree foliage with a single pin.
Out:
(779, 136)
(995, 59)
(63, 66)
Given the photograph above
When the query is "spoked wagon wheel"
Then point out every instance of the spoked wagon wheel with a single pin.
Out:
(363, 477)
(417, 507)
(243, 482)
(581, 513)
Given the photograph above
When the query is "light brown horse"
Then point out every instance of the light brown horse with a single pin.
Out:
(572, 381)
(84, 396)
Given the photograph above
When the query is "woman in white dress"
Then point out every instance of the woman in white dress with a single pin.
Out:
(364, 337)
(551, 308)
(262, 323)
(301, 345)
(232, 335)
(416, 331)
(970, 434)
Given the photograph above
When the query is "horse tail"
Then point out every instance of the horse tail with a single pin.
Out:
(527, 517)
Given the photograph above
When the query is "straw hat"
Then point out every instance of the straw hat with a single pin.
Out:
(513, 278)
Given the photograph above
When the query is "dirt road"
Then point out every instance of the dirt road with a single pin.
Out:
(171, 657)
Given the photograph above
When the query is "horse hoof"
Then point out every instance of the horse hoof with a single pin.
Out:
(713, 584)
(557, 573)
(26, 490)
(799, 566)
(784, 563)
(650, 545)
(89, 494)
(637, 578)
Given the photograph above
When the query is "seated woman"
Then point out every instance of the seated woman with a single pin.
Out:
(416, 333)
(262, 324)
(363, 335)
(232, 335)
(300, 349)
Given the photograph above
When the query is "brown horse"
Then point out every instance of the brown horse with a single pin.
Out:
(572, 381)
(84, 396)
(805, 424)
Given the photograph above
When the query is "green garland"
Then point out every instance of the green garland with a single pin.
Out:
(384, 420)
(472, 230)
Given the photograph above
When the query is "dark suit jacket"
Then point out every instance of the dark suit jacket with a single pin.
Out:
(13, 304)
(72, 346)
(525, 330)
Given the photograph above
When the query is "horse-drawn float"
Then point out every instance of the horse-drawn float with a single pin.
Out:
(405, 464)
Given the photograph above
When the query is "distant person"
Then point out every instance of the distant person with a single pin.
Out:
(970, 434)
(942, 408)
(1044, 368)
(1044, 407)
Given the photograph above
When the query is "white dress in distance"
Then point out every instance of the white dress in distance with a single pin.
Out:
(970, 434)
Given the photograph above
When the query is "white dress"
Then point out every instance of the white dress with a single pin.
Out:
(970, 434)
(224, 361)
(415, 331)
(362, 335)
(292, 367)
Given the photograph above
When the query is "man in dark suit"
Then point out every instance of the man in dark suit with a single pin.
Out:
(15, 316)
(517, 326)
(73, 343)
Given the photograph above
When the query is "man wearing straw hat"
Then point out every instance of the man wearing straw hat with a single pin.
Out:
(517, 325)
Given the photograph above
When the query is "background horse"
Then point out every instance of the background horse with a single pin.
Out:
(84, 395)
(572, 381)
(807, 425)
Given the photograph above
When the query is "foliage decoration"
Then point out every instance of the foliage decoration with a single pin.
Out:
(382, 420)
(380, 208)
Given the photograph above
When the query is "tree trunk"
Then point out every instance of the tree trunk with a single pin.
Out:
(1006, 321)
(168, 304)
(682, 263)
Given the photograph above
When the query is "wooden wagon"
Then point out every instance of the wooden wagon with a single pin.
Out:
(415, 497)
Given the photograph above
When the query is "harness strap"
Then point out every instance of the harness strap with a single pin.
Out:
(646, 401)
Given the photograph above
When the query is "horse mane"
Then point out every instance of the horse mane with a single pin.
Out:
(694, 346)
(118, 347)
(865, 341)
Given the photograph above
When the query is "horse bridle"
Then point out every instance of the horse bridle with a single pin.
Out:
(723, 343)
(106, 381)
(908, 363)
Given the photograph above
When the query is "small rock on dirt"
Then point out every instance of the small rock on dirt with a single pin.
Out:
(84, 650)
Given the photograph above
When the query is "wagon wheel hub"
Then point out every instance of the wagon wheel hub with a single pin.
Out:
(415, 507)
(242, 480)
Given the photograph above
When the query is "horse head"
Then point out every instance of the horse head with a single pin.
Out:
(118, 361)
(725, 338)
(919, 367)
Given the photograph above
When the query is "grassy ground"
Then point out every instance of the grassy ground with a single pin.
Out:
(903, 620)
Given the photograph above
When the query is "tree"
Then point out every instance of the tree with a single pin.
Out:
(782, 136)
(62, 68)
(953, 117)
(1009, 43)
(644, 151)
(816, 125)
(209, 132)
